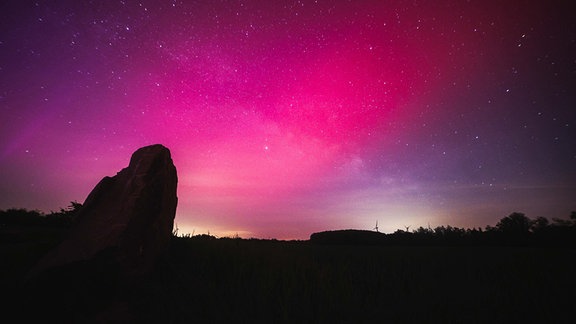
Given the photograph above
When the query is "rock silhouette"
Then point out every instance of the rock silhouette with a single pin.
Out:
(127, 218)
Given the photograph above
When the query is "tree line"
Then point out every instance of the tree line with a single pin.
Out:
(65, 217)
(514, 229)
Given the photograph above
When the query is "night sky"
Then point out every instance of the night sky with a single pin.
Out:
(290, 117)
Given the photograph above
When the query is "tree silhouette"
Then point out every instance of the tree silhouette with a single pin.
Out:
(515, 223)
(540, 224)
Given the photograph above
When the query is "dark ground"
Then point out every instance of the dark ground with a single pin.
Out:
(208, 280)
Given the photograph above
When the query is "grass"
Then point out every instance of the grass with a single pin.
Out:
(247, 281)
(207, 280)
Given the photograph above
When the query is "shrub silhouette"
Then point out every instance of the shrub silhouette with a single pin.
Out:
(65, 217)
(21, 217)
(24, 217)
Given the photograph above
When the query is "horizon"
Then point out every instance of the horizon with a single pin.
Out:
(289, 118)
(177, 231)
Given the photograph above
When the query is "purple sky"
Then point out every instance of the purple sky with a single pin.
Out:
(290, 117)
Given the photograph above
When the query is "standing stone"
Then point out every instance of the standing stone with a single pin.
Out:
(127, 218)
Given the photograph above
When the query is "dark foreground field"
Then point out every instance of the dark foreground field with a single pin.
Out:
(231, 281)
(208, 280)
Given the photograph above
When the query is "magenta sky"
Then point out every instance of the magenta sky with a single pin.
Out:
(290, 117)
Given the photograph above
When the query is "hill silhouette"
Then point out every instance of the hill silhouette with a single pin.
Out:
(350, 236)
